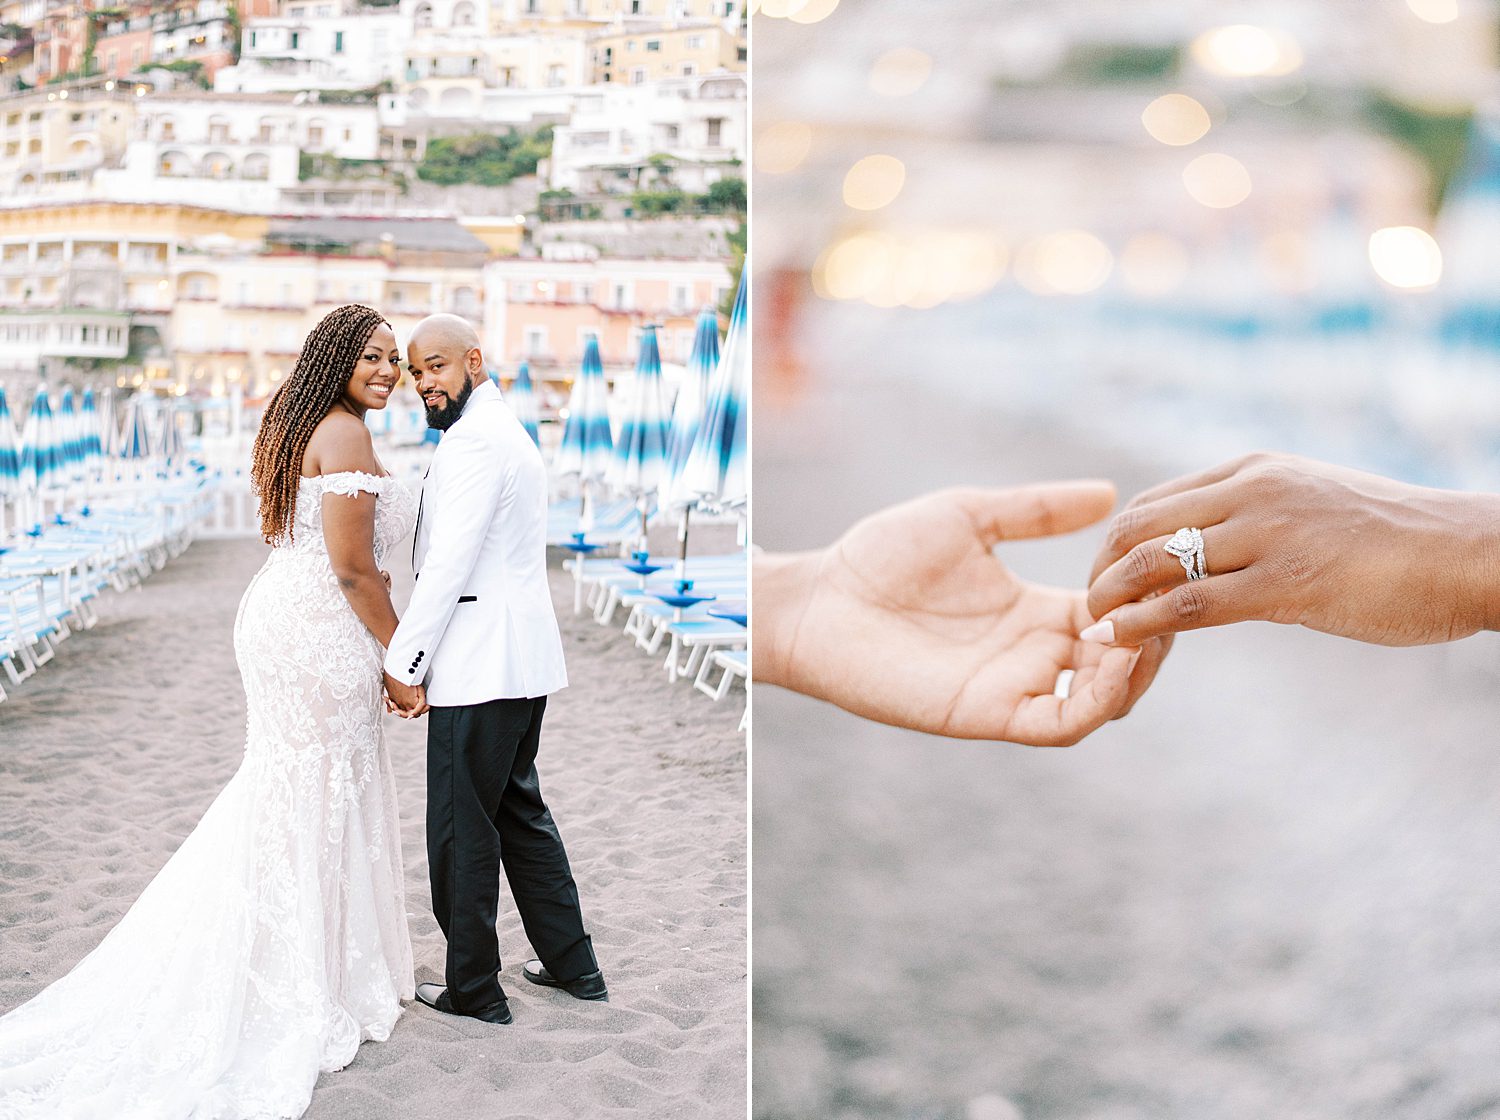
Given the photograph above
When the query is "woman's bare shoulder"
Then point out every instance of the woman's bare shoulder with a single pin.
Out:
(340, 442)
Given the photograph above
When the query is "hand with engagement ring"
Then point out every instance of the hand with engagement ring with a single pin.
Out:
(1284, 539)
(910, 619)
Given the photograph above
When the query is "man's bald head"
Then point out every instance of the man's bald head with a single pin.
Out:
(446, 363)
(450, 332)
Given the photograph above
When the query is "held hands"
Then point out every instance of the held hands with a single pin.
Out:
(1291, 540)
(406, 701)
(911, 620)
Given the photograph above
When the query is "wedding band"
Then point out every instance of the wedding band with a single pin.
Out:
(1187, 546)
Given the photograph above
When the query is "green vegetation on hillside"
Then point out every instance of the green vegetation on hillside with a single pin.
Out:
(486, 159)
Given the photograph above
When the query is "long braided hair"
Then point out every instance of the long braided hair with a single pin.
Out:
(319, 378)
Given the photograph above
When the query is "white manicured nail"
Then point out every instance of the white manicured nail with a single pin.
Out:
(1100, 632)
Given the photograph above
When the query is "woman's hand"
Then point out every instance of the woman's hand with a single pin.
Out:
(911, 620)
(1292, 540)
(405, 700)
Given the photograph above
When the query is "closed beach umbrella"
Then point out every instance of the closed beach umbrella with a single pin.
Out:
(170, 446)
(92, 445)
(640, 454)
(715, 470)
(639, 466)
(687, 410)
(10, 459)
(135, 436)
(522, 400)
(715, 474)
(68, 436)
(586, 443)
(40, 455)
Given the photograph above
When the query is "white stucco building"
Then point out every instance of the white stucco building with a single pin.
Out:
(698, 123)
(318, 46)
(238, 152)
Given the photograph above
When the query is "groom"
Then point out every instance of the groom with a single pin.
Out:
(481, 632)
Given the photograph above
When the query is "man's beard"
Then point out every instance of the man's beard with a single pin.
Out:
(442, 418)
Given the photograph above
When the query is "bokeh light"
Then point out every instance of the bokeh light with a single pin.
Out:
(1244, 51)
(851, 267)
(874, 182)
(1176, 119)
(900, 72)
(798, 11)
(915, 268)
(1217, 180)
(1406, 257)
(812, 11)
(782, 147)
(1069, 262)
(1434, 11)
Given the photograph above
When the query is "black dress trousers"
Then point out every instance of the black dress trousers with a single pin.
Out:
(484, 812)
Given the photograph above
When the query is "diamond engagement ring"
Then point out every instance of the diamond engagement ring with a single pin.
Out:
(1187, 546)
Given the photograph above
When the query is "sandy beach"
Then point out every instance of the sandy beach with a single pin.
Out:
(1267, 893)
(109, 756)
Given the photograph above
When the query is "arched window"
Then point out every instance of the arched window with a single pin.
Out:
(456, 100)
(171, 164)
(463, 14)
(218, 130)
(217, 165)
(257, 165)
(423, 15)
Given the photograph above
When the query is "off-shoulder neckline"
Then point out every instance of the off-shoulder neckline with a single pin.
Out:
(343, 474)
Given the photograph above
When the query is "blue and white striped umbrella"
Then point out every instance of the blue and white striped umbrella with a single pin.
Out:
(135, 436)
(586, 444)
(68, 436)
(41, 454)
(10, 458)
(639, 466)
(687, 409)
(109, 430)
(169, 444)
(521, 396)
(92, 444)
(716, 466)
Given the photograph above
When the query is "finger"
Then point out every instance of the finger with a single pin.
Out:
(1149, 567)
(1153, 654)
(1049, 721)
(1216, 474)
(1216, 601)
(1135, 525)
(1043, 510)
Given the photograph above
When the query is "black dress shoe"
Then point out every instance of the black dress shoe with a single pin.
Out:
(589, 986)
(435, 996)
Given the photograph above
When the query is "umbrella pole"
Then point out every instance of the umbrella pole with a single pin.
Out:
(682, 541)
(645, 535)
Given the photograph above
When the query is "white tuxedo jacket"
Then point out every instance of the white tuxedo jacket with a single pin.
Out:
(480, 624)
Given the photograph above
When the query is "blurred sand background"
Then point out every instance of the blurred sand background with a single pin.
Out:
(109, 756)
(1267, 893)
(1004, 242)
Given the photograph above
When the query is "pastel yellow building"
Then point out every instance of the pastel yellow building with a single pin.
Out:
(639, 55)
(50, 137)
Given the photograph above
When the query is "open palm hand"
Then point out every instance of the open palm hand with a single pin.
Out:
(910, 619)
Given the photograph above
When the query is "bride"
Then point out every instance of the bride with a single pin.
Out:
(274, 941)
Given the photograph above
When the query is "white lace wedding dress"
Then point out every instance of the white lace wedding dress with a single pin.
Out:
(275, 939)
